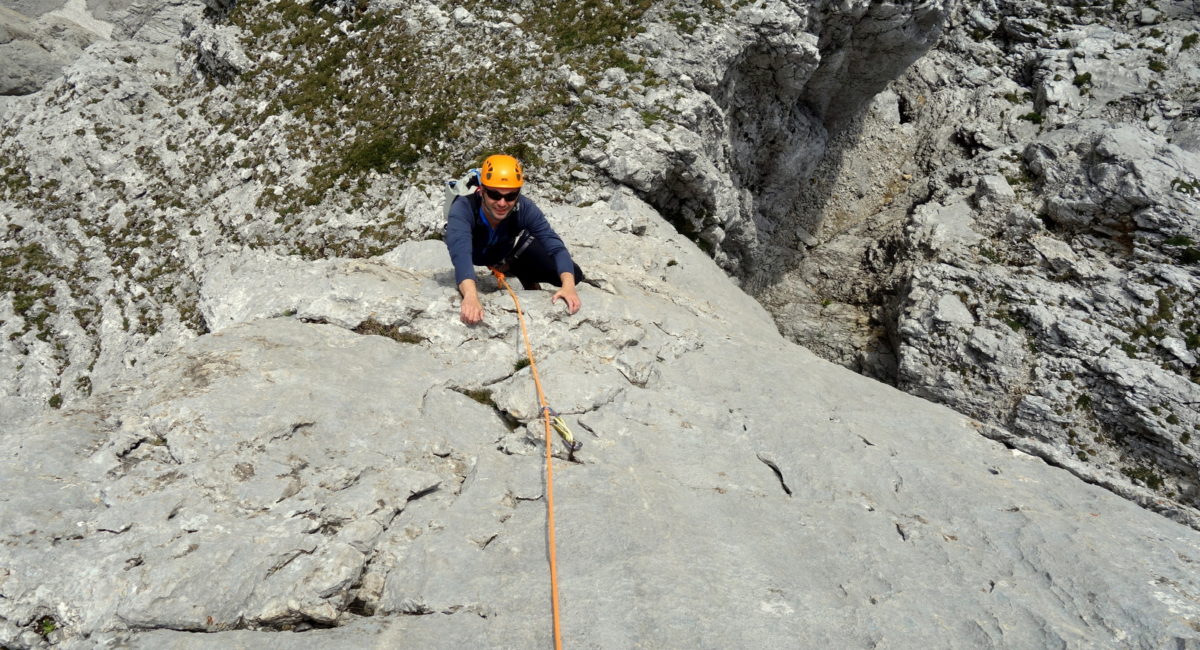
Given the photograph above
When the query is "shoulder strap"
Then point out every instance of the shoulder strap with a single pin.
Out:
(459, 187)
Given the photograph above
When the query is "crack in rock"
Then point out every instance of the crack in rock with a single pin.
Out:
(393, 331)
(483, 396)
(474, 608)
(291, 431)
(423, 493)
(483, 543)
(778, 473)
(287, 559)
(511, 500)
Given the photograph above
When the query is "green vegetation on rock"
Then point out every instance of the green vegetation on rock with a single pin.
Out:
(365, 93)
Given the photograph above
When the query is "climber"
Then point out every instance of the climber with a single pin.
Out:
(497, 227)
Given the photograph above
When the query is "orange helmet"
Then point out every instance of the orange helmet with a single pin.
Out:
(502, 171)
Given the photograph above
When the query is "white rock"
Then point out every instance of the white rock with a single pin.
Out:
(1057, 253)
(1178, 347)
(951, 310)
(993, 189)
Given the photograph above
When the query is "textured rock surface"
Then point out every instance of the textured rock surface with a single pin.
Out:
(38, 38)
(1032, 259)
(315, 472)
(173, 141)
(772, 82)
(34, 50)
(1002, 221)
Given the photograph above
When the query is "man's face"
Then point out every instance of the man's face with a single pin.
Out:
(498, 202)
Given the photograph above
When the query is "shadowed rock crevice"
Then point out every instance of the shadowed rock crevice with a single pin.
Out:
(393, 331)
(398, 332)
(483, 396)
(730, 174)
(686, 202)
(778, 473)
(998, 243)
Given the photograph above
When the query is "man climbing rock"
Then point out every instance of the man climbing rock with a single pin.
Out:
(496, 226)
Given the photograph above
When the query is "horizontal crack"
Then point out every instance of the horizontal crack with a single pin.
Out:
(287, 560)
(394, 332)
(423, 493)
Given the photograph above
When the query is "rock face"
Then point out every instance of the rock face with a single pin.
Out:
(198, 127)
(34, 51)
(1032, 260)
(772, 83)
(341, 457)
(38, 38)
(219, 426)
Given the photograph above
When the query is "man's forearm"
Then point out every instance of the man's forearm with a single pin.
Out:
(466, 289)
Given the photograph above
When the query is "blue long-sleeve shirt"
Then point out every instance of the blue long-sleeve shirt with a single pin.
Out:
(473, 242)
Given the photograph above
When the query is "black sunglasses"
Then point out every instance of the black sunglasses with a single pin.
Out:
(496, 196)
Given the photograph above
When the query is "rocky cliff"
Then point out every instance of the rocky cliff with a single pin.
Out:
(341, 463)
(1012, 231)
(324, 129)
(237, 402)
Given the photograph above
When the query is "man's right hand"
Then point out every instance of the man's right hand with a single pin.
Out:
(472, 310)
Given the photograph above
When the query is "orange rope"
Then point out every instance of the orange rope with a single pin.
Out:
(549, 461)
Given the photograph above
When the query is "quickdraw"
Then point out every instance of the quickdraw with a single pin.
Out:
(563, 430)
